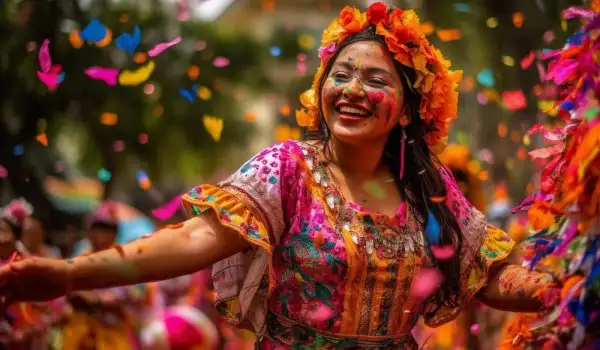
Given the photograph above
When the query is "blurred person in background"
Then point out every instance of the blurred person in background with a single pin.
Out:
(104, 319)
(35, 240)
(305, 251)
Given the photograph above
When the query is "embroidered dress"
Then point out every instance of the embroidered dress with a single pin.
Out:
(325, 272)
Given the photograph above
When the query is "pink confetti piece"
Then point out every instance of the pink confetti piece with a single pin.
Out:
(44, 57)
(3, 172)
(51, 80)
(107, 75)
(160, 47)
(426, 282)
(118, 146)
(549, 36)
(475, 329)
(221, 62)
(167, 210)
(442, 252)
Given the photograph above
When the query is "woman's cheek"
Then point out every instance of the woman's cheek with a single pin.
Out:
(332, 91)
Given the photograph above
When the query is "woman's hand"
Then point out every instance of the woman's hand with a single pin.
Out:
(33, 279)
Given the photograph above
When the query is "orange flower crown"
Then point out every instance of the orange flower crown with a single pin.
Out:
(401, 29)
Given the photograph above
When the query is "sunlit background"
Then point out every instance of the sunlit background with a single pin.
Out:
(229, 88)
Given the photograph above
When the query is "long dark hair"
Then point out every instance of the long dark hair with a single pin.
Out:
(421, 180)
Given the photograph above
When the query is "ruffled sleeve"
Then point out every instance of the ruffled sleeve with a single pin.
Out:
(482, 246)
(254, 202)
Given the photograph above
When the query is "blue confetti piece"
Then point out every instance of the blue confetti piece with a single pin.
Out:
(60, 78)
(189, 95)
(129, 43)
(104, 175)
(486, 78)
(94, 32)
(141, 175)
(275, 51)
(567, 105)
(432, 229)
(18, 150)
(462, 7)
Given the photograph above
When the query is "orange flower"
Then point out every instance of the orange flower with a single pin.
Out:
(351, 19)
(377, 12)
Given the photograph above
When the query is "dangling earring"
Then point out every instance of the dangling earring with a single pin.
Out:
(402, 150)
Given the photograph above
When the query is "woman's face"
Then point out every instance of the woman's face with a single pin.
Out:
(362, 98)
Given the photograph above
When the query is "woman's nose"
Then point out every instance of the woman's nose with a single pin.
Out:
(354, 89)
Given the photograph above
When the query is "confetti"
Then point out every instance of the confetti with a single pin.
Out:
(508, 60)
(285, 110)
(514, 100)
(108, 75)
(374, 189)
(189, 94)
(502, 130)
(127, 42)
(275, 51)
(221, 62)
(527, 61)
(140, 58)
(214, 126)
(447, 35)
(486, 78)
(462, 7)
(50, 74)
(44, 57)
(18, 150)
(306, 41)
(42, 139)
(425, 282)
(443, 252)
(166, 211)
(161, 47)
(51, 80)
(149, 89)
(118, 146)
(549, 37)
(193, 72)
(104, 175)
(143, 180)
(3, 172)
(200, 45)
(109, 119)
(250, 116)
(138, 76)
(75, 40)
(492, 22)
(518, 18)
(475, 329)
(94, 32)
(204, 93)
(143, 138)
(432, 229)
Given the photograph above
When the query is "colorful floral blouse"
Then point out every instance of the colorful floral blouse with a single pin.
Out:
(325, 272)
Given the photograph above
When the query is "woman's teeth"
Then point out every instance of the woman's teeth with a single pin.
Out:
(351, 110)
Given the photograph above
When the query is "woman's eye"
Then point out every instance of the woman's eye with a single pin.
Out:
(377, 82)
(340, 76)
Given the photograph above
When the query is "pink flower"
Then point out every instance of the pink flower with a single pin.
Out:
(326, 51)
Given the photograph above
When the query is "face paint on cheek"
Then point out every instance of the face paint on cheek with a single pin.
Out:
(375, 96)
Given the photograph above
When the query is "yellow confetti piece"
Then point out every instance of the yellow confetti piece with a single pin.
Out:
(510, 163)
(563, 25)
(474, 167)
(107, 39)
(548, 107)
(138, 76)
(526, 140)
(492, 22)
(447, 35)
(295, 134)
(204, 93)
(306, 41)
(42, 139)
(109, 119)
(214, 126)
(75, 39)
(508, 60)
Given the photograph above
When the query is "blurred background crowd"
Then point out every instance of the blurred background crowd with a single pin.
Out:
(229, 88)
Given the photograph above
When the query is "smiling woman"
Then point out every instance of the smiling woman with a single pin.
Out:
(345, 240)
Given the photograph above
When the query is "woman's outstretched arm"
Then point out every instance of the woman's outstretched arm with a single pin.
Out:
(178, 250)
(515, 288)
(168, 253)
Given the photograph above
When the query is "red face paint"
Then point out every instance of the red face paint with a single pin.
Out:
(375, 97)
